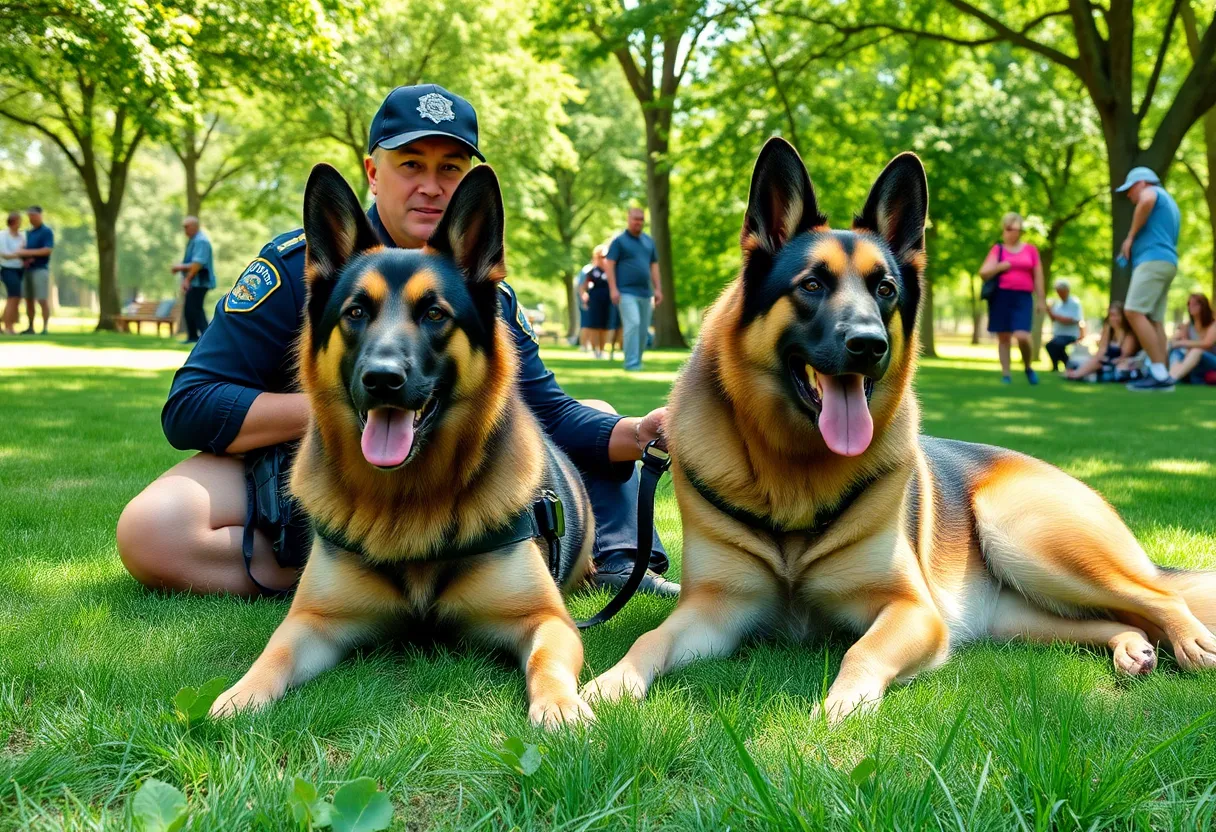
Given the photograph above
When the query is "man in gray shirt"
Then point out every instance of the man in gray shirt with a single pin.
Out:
(632, 267)
(1066, 317)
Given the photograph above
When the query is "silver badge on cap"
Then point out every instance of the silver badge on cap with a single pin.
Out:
(435, 107)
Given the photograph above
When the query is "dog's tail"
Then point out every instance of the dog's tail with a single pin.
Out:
(1198, 588)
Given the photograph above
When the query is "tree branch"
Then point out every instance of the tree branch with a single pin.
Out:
(1003, 32)
(1020, 37)
(1151, 89)
(1194, 175)
(50, 134)
(777, 85)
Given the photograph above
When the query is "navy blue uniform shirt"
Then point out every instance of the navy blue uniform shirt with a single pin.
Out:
(248, 349)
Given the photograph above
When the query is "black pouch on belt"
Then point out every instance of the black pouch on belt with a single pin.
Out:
(273, 511)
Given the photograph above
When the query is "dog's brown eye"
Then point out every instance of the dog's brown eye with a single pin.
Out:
(886, 289)
(435, 314)
(355, 313)
(812, 284)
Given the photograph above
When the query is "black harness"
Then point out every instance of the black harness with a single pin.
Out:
(764, 524)
(544, 521)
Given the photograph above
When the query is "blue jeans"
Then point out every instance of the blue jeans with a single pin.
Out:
(635, 321)
(1207, 363)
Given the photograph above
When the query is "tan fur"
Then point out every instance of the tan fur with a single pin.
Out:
(508, 599)
(1057, 563)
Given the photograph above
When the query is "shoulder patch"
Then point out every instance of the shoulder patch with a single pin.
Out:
(294, 242)
(521, 320)
(259, 280)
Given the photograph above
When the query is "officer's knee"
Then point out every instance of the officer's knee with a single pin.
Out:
(148, 528)
(598, 404)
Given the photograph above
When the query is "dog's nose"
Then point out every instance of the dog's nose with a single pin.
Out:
(383, 379)
(866, 344)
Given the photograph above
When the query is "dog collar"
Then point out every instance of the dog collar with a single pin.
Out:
(764, 524)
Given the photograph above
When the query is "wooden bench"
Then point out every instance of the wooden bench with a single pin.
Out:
(145, 312)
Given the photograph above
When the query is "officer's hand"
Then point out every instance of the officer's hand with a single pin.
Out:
(616, 297)
(658, 296)
(651, 427)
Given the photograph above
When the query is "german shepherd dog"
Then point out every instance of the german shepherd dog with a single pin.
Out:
(807, 495)
(418, 443)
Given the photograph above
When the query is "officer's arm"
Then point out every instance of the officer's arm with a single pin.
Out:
(584, 433)
(211, 406)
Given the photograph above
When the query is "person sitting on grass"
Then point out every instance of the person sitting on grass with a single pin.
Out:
(1116, 347)
(1066, 317)
(1193, 357)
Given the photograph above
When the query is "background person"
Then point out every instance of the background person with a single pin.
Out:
(1116, 346)
(1152, 248)
(12, 240)
(632, 266)
(1020, 290)
(198, 277)
(1066, 317)
(1194, 356)
(597, 299)
(36, 281)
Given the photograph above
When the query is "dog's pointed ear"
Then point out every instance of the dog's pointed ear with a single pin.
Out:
(334, 225)
(897, 208)
(781, 203)
(471, 231)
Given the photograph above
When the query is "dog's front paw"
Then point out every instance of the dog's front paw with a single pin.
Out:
(1134, 655)
(560, 711)
(840, 704)
(239, 697)
(616, 684)
(1196, 652)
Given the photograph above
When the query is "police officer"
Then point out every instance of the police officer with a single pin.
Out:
(236, 400)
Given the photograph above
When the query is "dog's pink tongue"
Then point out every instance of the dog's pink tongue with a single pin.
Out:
(388, 436)
(844, 420)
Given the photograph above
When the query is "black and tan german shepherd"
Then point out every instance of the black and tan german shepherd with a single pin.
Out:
(807, 495)
(420, 445)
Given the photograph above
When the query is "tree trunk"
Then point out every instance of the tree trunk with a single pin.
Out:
(1190, 26)
(190, 157)
(572, 305)
(658, 191)
(1046, 257)
(106, 223)
(977, 311)
(928, 345)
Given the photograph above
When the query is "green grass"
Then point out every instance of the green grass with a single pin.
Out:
(1002, 737)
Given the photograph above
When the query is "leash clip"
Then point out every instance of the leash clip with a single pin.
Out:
(550, 515)
(655, 457)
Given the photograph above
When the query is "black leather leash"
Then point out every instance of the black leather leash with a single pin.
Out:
(655, 460)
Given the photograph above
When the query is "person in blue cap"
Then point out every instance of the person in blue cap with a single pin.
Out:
(219, 521)
(1152, 248)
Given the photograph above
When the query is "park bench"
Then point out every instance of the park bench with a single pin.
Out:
(149, 311)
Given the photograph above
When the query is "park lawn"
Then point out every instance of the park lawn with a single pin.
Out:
(1002, 737)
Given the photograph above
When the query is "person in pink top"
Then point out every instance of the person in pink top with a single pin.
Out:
(1019, 292)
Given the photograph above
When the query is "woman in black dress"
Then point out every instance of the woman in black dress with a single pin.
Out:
(599, 313)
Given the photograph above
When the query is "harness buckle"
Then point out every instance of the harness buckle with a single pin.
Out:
(550, 515)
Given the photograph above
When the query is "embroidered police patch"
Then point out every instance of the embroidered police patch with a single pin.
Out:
(524, 324)
(255, 284)
(435, 107)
